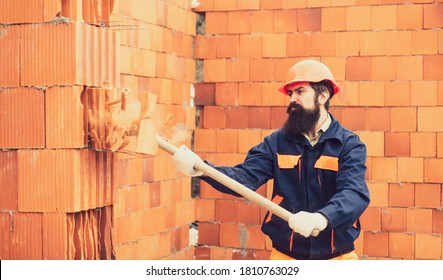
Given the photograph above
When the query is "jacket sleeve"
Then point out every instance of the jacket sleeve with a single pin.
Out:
(256, 170)
(352, 197)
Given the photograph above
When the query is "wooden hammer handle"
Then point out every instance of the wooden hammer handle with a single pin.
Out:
(234, 185)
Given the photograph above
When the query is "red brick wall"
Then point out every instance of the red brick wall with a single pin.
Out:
(60, 197)
(386, 55)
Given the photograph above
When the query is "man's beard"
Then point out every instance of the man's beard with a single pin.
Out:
(300, 120)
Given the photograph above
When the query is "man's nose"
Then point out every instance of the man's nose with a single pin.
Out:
(294, 98)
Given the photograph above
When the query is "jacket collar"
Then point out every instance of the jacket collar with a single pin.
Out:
(334, 131)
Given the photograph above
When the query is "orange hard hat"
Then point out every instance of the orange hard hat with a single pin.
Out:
(309, 71)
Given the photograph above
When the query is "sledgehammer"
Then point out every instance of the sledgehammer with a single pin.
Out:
(233, 185)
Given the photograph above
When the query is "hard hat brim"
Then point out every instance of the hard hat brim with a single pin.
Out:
(283, 90)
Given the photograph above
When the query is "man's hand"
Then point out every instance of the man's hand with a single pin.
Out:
(185, 160)
(304, 222)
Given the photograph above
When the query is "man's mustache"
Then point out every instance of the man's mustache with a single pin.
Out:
(293, 106)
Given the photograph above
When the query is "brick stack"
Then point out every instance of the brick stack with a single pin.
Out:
(155, 208)
(60, 198)
(386, 55)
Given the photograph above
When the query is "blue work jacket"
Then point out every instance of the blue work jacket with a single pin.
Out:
(328, 178)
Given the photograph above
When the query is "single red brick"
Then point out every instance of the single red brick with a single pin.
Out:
(393, 219)
(419, 220)
(427, 195)
(10, 56)
(437, 221)
(384, 17)
(217, 22)
(409, 68)
(205, 47)
(433, 167)
(376, 244)
(403, 119)
(319, 48)
(251, 46)
(401, 245)
(239, 22)
(228, 46)
(278, 117)
(432, 16)
(429, 119)
(333, 19)
(214, 70)
(227, 141)
(226, 94)
(262, 21)
(423, 144)
(398, 42)
(431, 66)
(205, 140)
(285, 21)
(272, 97)
(9, 180)
(425, 42)
(397, 93)
(397, 144)
(65, 126)
(379, 194)
(384, 169)
(259, 117)
(237, 117)
(205, 210)
(274, 45)
(298, 44)
(371, 94)
(374, 141)
(25, 127)
(384, 68)
(410, 16)
(401, 195)
(378, 119)
(237, 70)
(208, 234)
(358, 68)
(204, 94)
(309, 20)
(248, 213)
(371, 219)
(354, 118)
(261, 70)
(358, 18)
(247, 138)
(410, 169)
(428, 247)
(231, 236)
(347, 43)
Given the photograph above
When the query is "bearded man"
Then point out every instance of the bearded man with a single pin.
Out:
(318, 168)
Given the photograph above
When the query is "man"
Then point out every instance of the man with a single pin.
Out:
(318, 169)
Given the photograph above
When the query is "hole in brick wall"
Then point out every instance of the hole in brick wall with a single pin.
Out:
(193, 234)
(200, 30)
(201, 24)
(90, 234)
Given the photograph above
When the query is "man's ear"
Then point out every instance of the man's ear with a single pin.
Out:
(323, 97)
